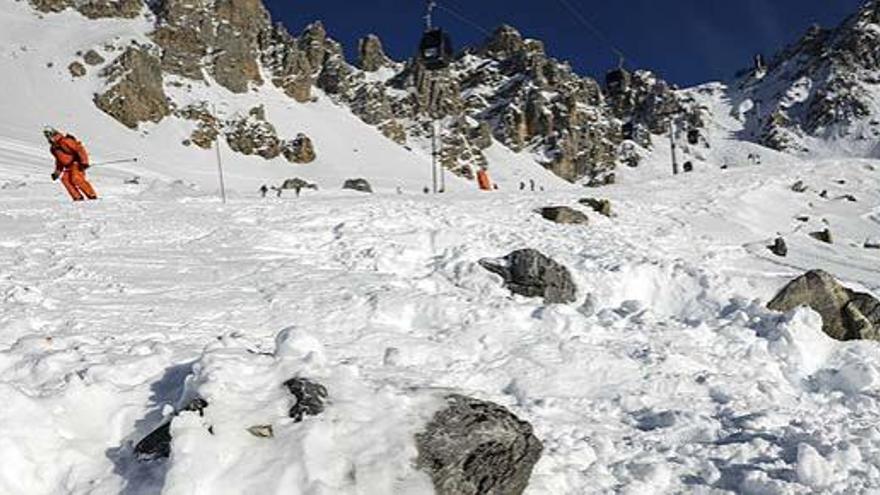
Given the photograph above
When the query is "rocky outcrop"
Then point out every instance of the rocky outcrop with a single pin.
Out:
(136, 92)
(92, 57)
(474, 447)
(93, 9)
(530, 273)
(207, 128)
(822, 86)
(564, 215)
(371, 55)
(299, 150)
(76, 69)
(297, 183)
(360, 185)
(253, 135)
(214, 36)
(846, 314)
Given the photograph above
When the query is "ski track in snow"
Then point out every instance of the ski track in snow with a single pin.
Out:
(678, 380)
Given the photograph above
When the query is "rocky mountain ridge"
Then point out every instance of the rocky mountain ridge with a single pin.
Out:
(507, 90)
(824, 87)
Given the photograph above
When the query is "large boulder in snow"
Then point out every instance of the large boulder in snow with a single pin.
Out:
(564, 215)
(846, 314)
(530, 273)
(475, 447)
(136, 93)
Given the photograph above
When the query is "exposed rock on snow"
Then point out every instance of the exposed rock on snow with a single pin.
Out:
(564, 215)
(297, 183)
(360, 185)
(779, 247)
(92, 57)
(473, 447)
(208, 127)
(530, 273)
(300, 150)
(846, 314)
(158, 443)
(823, 236)
(93, 9)
(136, 93)
(253, 135)
(76, 69)
(310, 397)
(600, 206)
(872, 244)
(799, 187)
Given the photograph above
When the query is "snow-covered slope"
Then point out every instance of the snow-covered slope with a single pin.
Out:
(671, 377)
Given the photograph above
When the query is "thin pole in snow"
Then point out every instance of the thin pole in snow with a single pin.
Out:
(220, 163)
(434, 154)
(440, 164)
(674, 150)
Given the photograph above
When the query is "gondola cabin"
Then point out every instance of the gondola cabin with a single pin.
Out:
(435, 49)
(617, 80)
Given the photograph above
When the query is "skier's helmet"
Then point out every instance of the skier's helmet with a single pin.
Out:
(50, 132)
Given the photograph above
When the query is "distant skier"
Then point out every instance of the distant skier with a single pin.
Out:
(532, 184)
(483, 181)
(522, 186)
(71, 162)
(264, 189)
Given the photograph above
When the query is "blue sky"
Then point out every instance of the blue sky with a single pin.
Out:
(686, 41)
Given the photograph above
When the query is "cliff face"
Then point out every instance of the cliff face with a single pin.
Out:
(507, 90)
(823, 87)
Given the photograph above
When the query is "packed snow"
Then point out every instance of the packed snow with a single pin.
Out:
(667, 376)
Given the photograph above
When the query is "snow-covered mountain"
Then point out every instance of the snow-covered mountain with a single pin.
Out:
(820, 95)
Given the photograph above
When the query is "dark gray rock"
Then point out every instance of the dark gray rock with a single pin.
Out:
(846, 314)
(779, 248)
(530, 273)
(158, 443)
(564, 215)
(358, 185)
(872, 244)
(310, 398)
(799, 187)
(823, 236)
(473, 447)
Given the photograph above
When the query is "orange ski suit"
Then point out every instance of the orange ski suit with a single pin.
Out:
(71, 162)
(483, 180)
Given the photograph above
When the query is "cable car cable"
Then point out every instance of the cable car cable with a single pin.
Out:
(595, 30)
(463, 19)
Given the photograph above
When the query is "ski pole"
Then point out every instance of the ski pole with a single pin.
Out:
(113, 162)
